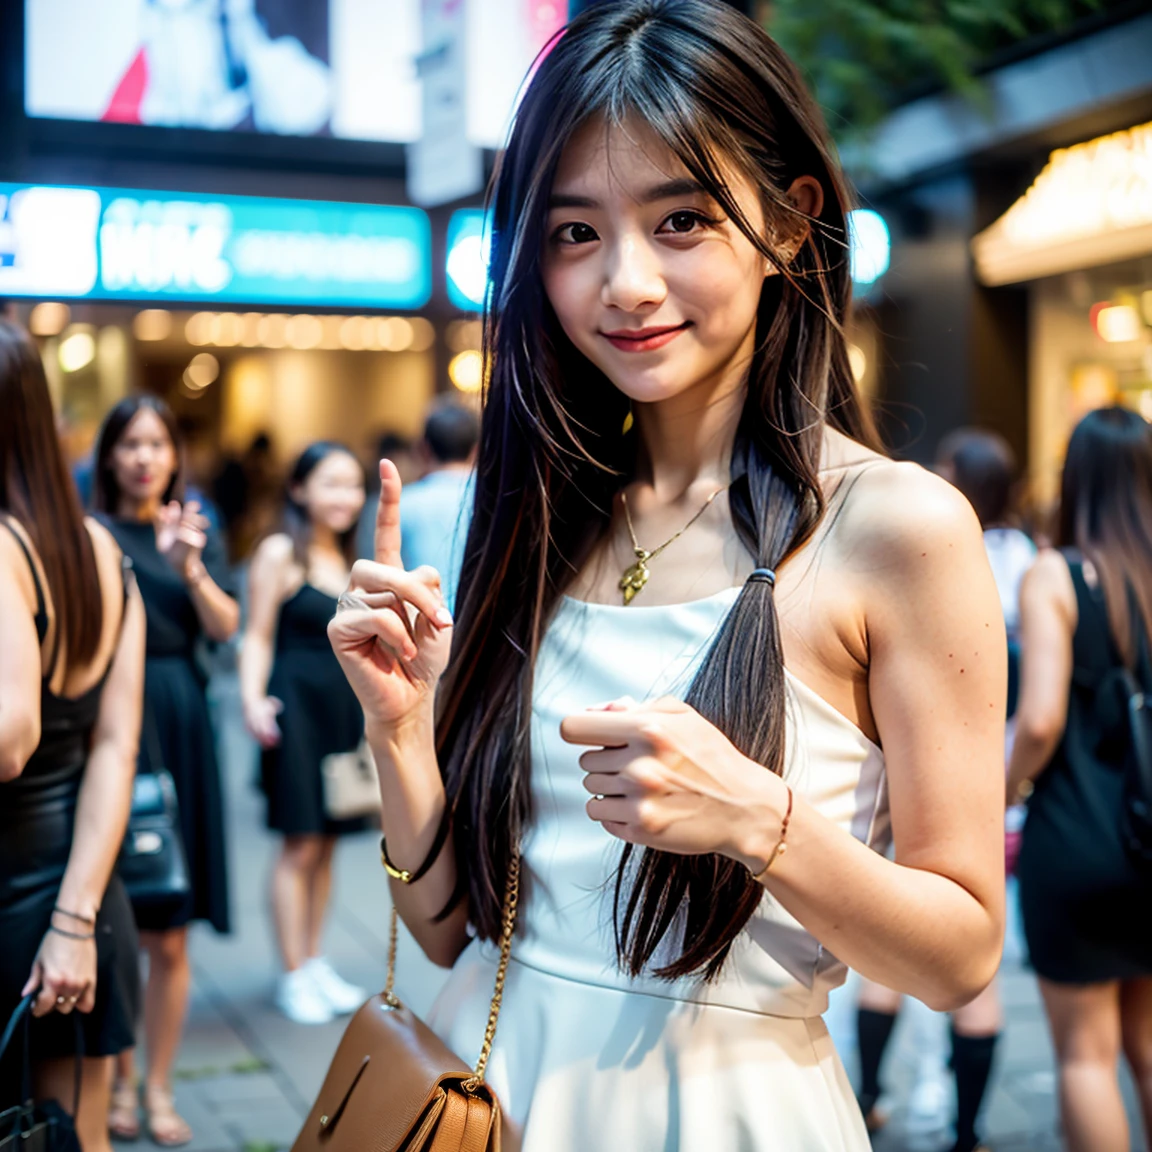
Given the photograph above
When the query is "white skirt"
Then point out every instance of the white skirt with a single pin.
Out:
(589, 1068)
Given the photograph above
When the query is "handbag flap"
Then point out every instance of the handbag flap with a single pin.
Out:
(386, 1054)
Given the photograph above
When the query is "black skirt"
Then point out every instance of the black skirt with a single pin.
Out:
(34, 848)
(321, 716)
(177, 733)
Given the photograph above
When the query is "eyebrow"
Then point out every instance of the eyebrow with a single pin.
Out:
(668, 190)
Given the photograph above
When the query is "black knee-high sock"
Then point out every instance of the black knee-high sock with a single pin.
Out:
(971, 1064)
(872, 1032)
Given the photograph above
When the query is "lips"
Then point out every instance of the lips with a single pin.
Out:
(644, 339)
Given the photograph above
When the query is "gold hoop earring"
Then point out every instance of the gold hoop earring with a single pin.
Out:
(628, 422)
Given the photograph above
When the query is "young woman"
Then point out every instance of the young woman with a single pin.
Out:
(180, 567)
(801, 641)
(1085, 903)
(300, 709)
(71, 682)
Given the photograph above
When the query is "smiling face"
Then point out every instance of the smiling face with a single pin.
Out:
(646, 275)
(143, 459)
(333, 493)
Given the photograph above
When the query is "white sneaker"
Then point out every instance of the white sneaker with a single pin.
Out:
(300, 1000)
(337, 993)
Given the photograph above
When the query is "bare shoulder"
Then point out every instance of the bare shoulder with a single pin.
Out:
(103, 542)
(13, 561)
(274, 552)
(1050, 581)
(898, 514)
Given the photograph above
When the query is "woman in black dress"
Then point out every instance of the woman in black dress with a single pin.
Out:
(182, 574)
(299, 707)
(1087, 907)
(71, 682)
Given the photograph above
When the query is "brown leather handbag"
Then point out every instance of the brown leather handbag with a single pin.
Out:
(393, 1085)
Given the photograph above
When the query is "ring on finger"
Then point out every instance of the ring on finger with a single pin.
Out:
(350, 602)
(61, 1000)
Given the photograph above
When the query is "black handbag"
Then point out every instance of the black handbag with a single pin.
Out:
(44, 1126)
(152, 862)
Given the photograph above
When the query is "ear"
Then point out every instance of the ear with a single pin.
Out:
(806, 194)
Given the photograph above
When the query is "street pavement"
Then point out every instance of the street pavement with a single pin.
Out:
(246, 1076)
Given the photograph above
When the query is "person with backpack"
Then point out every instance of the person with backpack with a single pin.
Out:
(1084, 869)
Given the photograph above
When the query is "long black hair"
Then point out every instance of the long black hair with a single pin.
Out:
(1106, 512)
(716, 90)
(37, 490)
(295, 519)
(105, 490)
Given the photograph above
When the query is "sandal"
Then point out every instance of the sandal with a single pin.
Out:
(166, 1126)
(124, 1110)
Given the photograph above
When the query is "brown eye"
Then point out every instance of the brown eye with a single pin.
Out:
(576, 234)
(683, 222)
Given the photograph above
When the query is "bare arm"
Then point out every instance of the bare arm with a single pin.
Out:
(106, 789)
(930, 923)
(219, 613)
(19, 661)
(268, 578)
(393, 652)
(1048, 617)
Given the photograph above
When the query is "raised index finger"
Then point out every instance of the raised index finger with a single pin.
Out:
(388, 516)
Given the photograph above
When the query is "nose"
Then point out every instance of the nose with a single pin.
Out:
(633, 277)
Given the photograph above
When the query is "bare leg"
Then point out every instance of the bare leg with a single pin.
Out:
(165, 1007)
(56, 1079)
(983, 1017)
(291, 897)
(124, 1106)
(975, 1031)
(1085, 1024)
(1136, 1033)
(319, 893)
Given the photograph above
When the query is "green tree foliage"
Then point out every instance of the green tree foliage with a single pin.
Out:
(864, 58)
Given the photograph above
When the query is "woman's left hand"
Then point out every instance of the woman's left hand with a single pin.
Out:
(65, 972)
(181, 533)
(664, 777)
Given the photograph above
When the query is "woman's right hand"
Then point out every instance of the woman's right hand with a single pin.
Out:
(260, 720)
(64, 971)
(395, 648)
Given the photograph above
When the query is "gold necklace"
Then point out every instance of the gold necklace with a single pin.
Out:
(636, 575)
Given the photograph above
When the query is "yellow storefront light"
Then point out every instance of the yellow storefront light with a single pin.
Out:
(304, 332)
(423, 334)
(77, 350)
(466, 370)
(202, 370)
(272, 330)
(1091, 205)
(394, 333)
(355, 334)
(49, 318)
(198, 330)
(1118, 323)
(152, 324)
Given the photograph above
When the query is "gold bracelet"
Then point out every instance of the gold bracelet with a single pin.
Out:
(402, 874)
(781, 844)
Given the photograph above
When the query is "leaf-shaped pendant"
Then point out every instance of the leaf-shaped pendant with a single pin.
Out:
(634, 579)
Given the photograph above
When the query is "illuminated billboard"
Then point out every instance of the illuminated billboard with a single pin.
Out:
(113, 243)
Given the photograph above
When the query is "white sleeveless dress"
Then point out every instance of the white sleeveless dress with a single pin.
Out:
(587, 1059)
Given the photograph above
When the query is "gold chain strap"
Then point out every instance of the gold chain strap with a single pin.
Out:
(511, 902)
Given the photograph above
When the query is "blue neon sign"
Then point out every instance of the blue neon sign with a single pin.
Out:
(469, 250)
(111, 243)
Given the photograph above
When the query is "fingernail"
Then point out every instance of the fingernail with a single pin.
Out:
(443, 617)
